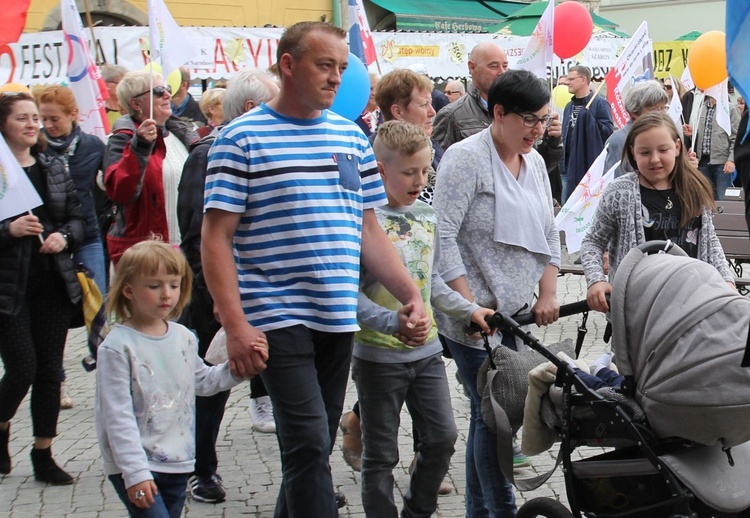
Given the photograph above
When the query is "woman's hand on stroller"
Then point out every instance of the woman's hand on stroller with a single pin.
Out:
(596, 296)
(546, 310)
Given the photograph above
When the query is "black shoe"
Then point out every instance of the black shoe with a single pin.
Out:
(46, 470)
(207, 490)
(340, 500)
(4, 451)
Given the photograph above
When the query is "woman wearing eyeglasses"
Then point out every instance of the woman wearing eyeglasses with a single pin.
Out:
(498, 244)
(38, 288)
(143, 164)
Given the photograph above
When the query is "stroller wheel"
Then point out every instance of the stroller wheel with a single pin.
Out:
(544, 507)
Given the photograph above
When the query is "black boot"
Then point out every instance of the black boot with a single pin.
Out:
(4, 451)
(46, 470)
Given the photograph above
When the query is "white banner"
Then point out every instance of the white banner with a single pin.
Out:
(42, 57)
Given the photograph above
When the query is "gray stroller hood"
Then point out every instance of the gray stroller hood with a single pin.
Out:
(680, 331)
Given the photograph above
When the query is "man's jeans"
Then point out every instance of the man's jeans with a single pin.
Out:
(92, 256)
(383, 388)
(306, 378)
(715, 174)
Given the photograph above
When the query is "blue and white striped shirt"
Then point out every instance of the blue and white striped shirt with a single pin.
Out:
(301, 186)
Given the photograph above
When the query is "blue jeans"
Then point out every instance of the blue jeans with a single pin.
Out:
(714, 173)
(383, 388)
(604, 378)
(92, 256)
(169, 500)
(306, 378)
(488, 494)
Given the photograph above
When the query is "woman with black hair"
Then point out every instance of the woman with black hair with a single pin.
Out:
(38, 288)
(498, 243)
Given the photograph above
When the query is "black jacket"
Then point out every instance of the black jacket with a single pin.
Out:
(65, 215)
(190, 201)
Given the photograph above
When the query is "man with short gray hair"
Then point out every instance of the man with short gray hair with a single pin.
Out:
(247, 89)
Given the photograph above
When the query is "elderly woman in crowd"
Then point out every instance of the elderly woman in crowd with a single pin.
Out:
(143, 164)
(644, 97)
(498, 243)
(38, 287)
(211, 106)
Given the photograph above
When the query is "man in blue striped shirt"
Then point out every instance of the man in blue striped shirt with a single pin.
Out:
(289, 201)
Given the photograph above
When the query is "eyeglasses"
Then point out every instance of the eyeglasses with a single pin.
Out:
(574, 78)
(159, 91)
(451, 92)
(668, 87)
(530, 120)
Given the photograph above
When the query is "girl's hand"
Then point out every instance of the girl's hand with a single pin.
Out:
(261, 346)
(142, 494)
(26, 226)
(546, 310)
(596, 296)
(54, 244)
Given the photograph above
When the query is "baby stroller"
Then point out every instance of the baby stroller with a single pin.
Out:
(673, 457)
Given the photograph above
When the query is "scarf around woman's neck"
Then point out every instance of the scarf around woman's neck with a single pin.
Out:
(519, 211)
(65, 146)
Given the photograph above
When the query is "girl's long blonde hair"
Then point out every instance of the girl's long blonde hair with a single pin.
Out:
(692, 188)
(145, 258)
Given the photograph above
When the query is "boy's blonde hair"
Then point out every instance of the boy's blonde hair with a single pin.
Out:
(145, 258)
(400, 137)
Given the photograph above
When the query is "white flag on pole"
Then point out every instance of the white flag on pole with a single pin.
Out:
(721, 95)
(675, 106)
(85, 79)
(687, 79)
(538, 53)
(17, 193)
(168, 46)
(576, 215)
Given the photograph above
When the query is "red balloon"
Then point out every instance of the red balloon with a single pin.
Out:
(573, 28)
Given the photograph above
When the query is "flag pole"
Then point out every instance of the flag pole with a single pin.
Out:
(151, 89)
(596, 92)
(93, 35)
(41, 239)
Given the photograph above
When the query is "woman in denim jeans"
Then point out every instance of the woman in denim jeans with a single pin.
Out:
(498, 243)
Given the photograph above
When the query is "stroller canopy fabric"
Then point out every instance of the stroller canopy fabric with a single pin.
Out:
(680, 331)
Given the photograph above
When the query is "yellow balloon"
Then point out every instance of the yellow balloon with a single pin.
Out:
(561, 96)
(707, 59)
(174, 80)
(14, 87)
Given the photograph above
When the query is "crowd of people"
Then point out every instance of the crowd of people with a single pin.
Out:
(325, 249)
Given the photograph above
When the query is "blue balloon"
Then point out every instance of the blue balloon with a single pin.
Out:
(354, 90)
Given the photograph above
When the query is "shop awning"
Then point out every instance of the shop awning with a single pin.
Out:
(446, 15)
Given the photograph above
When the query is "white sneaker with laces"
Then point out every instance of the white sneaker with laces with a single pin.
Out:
(261, 412)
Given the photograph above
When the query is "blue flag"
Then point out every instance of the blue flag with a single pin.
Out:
(356, 46)
(738, 46)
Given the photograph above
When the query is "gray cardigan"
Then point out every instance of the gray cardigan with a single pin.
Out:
(618, 227)
(500, 276)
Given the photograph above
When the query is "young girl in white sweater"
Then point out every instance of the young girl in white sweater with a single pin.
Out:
(148, 374)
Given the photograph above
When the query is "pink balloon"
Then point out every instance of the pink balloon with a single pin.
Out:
(573, 28)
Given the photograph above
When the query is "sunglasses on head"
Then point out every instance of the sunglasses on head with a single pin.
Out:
(158, 91)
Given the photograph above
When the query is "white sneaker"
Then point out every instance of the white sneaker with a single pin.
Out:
(66, 401)
(261, 412)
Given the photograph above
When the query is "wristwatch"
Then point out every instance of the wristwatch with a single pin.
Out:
(66, 237)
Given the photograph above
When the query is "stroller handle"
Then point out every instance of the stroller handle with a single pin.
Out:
(498, 320)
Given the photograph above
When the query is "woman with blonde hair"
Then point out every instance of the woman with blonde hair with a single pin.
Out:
(211, 106)
(143, 164)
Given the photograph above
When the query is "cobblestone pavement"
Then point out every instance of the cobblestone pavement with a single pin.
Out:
(248, 460)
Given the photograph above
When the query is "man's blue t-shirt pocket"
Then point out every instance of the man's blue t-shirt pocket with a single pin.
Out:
(348, 167)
